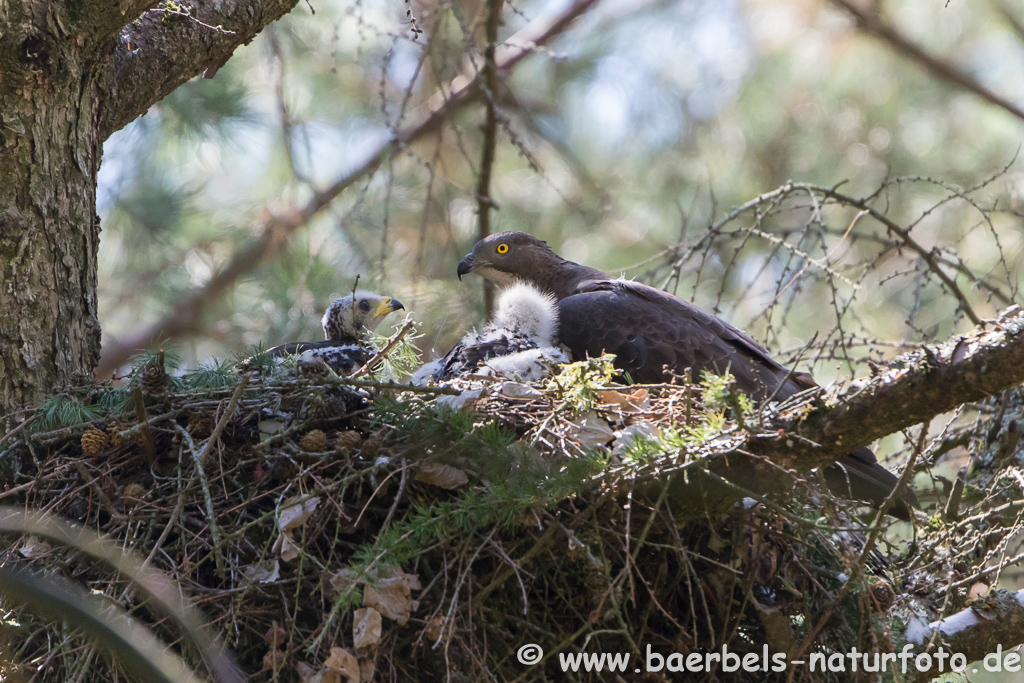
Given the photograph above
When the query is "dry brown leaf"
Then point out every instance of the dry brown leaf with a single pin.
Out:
(273, 660)
(293, 513)
(308, 674)
(268, 572)
(978, 590)
(591, 431)
(35, 548)
(434, 627)
(627, 403)
(345, 580)
(445, 476)
(367, 668)
(344, 663)
(366, 628)
(392, 597)
(275, 635)
(625, 438)
(285, 546)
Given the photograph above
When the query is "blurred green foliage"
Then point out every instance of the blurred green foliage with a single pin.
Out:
(635, 130)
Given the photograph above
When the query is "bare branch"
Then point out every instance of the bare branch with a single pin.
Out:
(161, 51)
(186, 316)
(927, 255)
(997, 619)
(874, 25)
(918, 386)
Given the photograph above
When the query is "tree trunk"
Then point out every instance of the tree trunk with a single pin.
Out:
(49, 232)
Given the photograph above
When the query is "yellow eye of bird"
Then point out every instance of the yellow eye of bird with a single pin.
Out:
(502, 248)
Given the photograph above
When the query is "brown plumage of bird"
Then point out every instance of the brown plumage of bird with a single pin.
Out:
(651, 331)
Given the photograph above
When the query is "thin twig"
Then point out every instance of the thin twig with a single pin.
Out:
(927, 255)
(222, 422)
(200, 463)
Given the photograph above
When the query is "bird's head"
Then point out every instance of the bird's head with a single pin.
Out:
(352, 316)
(508, 257)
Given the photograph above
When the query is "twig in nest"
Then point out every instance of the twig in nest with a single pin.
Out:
(200, 460)
(369, 384)
(16, 430)
(83, 471)
(383, 353)
(398, 497)
(211, 515)
(222, 422)
(147, 435)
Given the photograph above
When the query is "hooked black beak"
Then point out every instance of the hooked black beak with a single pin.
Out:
(466, 265)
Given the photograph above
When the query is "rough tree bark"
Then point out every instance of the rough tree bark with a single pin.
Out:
(72, 72)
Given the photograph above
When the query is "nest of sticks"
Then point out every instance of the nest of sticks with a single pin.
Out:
(331, 529)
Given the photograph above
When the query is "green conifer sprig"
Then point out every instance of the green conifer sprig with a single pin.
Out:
(401, 361)
(256, 359)
(213, 374)
(66, 410)
(115, 400)
(579, 382)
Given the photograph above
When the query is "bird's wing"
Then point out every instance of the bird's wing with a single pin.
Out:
(341, 357)
(649, 329)
(469, 354)
(293, 348)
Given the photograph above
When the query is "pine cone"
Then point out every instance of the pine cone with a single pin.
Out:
(315, 407)
(154, 376)
(94, 441)
(315, 441)
(348, 441)
(200, 424)
(371, 446)
(133, 495)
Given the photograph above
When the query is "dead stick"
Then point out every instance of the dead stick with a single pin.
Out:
(143, 418)
(223, 421)
(105, 501)
(200, 460)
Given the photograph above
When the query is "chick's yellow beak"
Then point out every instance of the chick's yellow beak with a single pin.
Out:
(387, 305)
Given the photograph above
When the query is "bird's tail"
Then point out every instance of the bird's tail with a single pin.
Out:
(858, 476)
